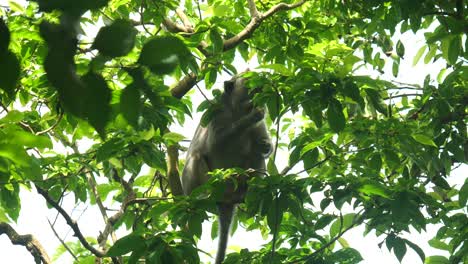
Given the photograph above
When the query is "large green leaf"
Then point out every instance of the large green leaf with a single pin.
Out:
(126, 244)
(116, 39)
(97, 97)
(162, 54)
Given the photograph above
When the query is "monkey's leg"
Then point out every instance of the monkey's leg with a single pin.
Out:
(226, 211)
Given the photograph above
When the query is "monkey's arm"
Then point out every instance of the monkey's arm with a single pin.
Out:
(234, 130)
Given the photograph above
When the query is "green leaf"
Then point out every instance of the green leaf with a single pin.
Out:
(16, 7)
(275, 214)
(126, 244)
(9, 72)
(423, 139)
(116, 39)
(216, 40)
(195, 225)
(15, 153)
(271, 167)
(463, 194)
(312, 145)
(4, 37)
(29, 140)
(346, 255)
(419, 55)
(277, 68)
(335, 116)
(395, 68)
(337, 227)
(162, 54)
(108, 149)
(210, 78)
(436, 243)
(173, 138)
(399, 248)
(13, 116)
(430, 54)
(314, 112)
(351, 90)
(97, 97)
(416, 248)
(214, 230)
(400, 49)
(375, 100)
(324, 221)
(375, 162)
(436, 260)
(130, 104)
(310, 158)
(374, 189)
(273, 105)
(454, 49)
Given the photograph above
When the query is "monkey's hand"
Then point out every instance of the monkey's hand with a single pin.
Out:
(265, 147)
(257, 114)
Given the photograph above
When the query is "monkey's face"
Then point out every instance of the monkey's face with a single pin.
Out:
(239, 99)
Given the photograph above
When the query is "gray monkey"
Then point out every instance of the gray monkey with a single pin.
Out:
(235, 137)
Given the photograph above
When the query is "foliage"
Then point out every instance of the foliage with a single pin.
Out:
(378, 154)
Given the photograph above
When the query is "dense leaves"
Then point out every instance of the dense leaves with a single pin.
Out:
(90, 91)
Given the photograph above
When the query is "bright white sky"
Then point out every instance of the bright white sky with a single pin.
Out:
(34, 213)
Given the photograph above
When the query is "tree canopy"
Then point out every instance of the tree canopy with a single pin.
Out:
(119, 74)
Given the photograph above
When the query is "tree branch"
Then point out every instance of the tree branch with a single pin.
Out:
(256, 21)
(188, 26)
(31, 243)
(184, 85)
(72, 223)
(253, 8)
(102, 209)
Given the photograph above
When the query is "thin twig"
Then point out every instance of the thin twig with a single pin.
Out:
(53, 126)
(72, 223)
(61, 240)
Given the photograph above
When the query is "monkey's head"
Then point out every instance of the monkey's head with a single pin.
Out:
(237, 96)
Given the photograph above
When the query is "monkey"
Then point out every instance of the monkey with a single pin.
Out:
(237, 137)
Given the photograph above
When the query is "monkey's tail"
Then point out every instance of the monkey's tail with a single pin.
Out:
(226, 211)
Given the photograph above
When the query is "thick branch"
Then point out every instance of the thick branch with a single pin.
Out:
(72, 223)
(174, 27)
(184, 85)
(32, 244)
(256, 21)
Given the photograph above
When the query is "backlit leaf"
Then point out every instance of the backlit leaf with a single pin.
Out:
(423, 139)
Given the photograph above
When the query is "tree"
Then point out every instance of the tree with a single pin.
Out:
(378, 153)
